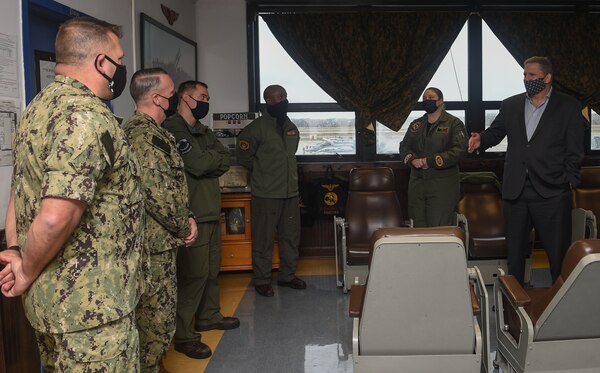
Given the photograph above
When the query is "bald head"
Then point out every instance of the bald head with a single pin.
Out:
(274, 94)
(82, 38)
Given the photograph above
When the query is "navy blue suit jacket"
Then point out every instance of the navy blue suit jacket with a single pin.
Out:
(553, 155)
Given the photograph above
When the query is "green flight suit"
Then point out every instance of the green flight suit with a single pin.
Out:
(433, 193)
(198, 266)
(167, 223)
(69, 145)
(268, 150)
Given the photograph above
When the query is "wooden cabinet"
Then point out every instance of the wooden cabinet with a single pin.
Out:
(236, 233)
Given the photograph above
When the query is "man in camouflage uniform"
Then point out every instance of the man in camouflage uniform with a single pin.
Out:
(267, 148)
(79, 210)
(205, 159)
(169, 223)
(432, 147)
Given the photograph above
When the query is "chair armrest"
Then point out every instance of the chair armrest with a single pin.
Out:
(590, 222)
(357, 297)
(514, 290)
(475, 302)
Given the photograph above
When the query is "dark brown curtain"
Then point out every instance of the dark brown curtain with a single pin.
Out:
(374, 63)
(570, 40)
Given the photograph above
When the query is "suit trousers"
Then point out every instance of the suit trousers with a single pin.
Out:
(551, 218)
(270, 216)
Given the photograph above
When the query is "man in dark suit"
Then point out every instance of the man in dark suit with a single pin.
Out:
(545, 148)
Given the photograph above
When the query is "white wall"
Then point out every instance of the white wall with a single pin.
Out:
(10, 25)
(218, 27)
(222, 60)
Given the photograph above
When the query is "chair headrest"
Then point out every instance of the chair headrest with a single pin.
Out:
(577, 251)
(429, 231)
(375, 179)
(590, 177)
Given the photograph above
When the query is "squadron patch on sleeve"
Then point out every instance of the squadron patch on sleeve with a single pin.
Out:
(184, 146)
(244, 145)
(439, 161)
(415, 125)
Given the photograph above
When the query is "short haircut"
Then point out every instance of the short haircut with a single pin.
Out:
(270, 89)
(544, 63)
(80, 37)
(188, 86)
(144, 80)
(437, 91)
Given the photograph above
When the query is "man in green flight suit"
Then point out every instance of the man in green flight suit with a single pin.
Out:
(169, 223)
(267, 148)
(205, 159)
(78, 210)
(433, 146)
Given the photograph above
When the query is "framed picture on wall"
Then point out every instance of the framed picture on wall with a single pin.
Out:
(163, 47)
(44, 68)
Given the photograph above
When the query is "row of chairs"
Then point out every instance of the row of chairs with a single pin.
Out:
(407, 319)
(373, 203)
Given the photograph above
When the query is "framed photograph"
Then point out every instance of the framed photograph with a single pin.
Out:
(44, 68)
(163, 47)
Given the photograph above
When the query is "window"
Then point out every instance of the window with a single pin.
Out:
(595, 138)
(490, 115)
(502, 75)
(328, 130)
(388, 141)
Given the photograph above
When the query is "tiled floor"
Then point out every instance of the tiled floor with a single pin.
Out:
(295, 331)
(234, 286)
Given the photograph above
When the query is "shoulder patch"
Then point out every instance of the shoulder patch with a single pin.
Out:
(184, 146)
(161, 144)
(415, 125)
(439, 161)
(244, 145)
(109, 146)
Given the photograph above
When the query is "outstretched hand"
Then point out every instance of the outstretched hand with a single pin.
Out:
(474, 142)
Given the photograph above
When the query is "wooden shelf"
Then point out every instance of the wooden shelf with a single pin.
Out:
(236, 233)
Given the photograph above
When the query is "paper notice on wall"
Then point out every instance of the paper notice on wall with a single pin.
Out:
(9, 81)
(8, 122)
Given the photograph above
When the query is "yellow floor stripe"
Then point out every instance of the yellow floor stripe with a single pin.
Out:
(233, 287)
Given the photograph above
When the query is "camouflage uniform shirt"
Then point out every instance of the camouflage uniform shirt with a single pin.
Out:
(69, 145)
(163, 183)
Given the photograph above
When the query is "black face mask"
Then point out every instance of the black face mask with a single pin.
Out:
(172, 108)
(118, 81)
(278, 110)
(430, 106)
(535, 86)
(200, 110)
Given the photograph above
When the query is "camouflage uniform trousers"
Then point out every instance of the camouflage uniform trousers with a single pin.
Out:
(155, 313)
(108, 348)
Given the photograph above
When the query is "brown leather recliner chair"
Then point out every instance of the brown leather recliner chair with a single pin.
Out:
(553, 329)
(586, 204)
(481, 216)
(372, 203)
